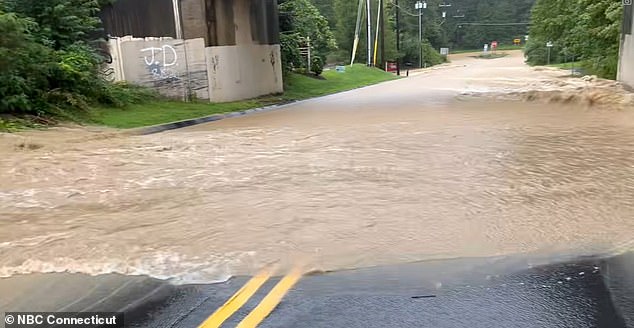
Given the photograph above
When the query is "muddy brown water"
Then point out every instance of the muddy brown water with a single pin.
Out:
(327, 182)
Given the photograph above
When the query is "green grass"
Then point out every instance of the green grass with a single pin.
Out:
(577, 64)
(581, 67)
(14, 124)
(358, 75)
(298, 87)
(157, 112)
(492, 55)
(500, 48)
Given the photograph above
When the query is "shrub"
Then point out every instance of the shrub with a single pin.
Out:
(431, 56)
(317, 65)
(25, 66)
(291, 58)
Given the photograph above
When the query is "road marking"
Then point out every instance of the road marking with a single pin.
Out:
(271, 300)
(237, 300)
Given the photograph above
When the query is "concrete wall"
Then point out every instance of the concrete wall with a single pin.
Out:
(175, 68)
(230, 53)
(243, 71)
(626, 59)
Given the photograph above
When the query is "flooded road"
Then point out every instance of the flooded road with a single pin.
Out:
(403, 171)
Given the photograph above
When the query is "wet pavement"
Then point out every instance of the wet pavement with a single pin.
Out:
(398, 172)
(501, 292)
(402, 172)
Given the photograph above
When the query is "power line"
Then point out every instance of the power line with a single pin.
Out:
(405, 10)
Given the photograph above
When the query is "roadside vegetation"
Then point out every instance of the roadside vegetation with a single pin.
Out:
(51, 58)
(580, 30)
(298, 87)
(50, 65)
(463, 27)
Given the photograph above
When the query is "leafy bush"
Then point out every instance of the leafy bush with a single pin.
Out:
(50, 68)
(291, 58)
(536, 53)
(431, 56)
(317, 65)
(303, 18)
(25, 65)
(121, 94)
(61, 23)
(590, 30)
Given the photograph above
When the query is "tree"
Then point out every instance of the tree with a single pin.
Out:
(47, 65)
(327, 9)
(25, 65)
(589, 30)
(61, 23)
(306, 21)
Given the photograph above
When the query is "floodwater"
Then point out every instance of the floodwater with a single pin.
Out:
(398, 172)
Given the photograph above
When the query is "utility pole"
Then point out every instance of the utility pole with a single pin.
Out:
(398, 41)
(369, 32)
(382, 35)
(376, 37)
(420, 6)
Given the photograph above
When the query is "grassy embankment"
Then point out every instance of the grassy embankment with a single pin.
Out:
(156, 112)
(298, 87)
(580, 67)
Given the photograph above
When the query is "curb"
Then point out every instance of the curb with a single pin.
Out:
(205, 119)
(217, 117)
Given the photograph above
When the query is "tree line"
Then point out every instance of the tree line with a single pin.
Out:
(585, 30)
(462, 26)
(50, 60)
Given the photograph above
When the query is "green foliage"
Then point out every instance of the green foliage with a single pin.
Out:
(327, 9)
(468, 36)
(589, 30)
(411, 52)
(46, 64)
(289, 46)
(307, 22)
(346, 16)
(9, 126)
(25, 65)
(317, 65)
(61, 22)
(431, 56)
(121, 94)
(438, 31)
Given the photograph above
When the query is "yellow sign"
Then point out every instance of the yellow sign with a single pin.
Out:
(517, 42)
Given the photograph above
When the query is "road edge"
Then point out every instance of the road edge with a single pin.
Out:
(158, 128)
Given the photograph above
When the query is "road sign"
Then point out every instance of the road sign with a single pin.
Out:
(517, 42)
(444, 51)
(420, 5)
(390, 67)
(549, 44)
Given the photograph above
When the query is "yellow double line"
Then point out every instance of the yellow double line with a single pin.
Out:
(266, 306)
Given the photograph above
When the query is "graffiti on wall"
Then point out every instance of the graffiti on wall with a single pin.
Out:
(161, 62)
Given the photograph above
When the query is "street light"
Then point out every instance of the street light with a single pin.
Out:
(420, 6)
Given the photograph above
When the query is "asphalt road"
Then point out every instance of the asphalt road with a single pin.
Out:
(512, 291)
(500, 292)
